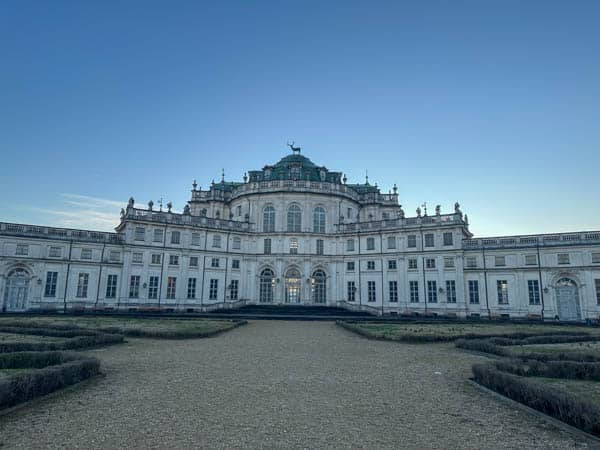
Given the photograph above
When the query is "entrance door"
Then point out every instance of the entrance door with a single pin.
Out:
(567, 300)
(17, 287)
(293, 282)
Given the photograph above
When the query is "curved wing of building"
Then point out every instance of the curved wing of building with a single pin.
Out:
(297, 233)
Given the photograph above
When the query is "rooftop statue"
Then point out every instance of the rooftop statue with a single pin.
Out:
(294, 149)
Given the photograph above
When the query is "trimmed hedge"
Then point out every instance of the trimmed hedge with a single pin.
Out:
(558, 404)
(63, 369)
(572, 370)
(189, 333)
(412, 337)
(76, 343)
(488, 346)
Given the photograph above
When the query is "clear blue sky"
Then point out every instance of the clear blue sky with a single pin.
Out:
(495, 104)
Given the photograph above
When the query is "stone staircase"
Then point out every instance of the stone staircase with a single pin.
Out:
(293, 311)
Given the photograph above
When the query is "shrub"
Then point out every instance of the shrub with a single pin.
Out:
(76, 343)
(27, 386)
(573, 370)
(559, 404)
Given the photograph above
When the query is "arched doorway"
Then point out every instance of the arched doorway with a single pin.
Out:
(567, 300)
(319, 287)
(293, 283)
(17, 289)
(266, 284)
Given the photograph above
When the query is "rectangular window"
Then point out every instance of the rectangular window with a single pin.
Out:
(171, 287)
(448, 262)
(597, 283)
(371, 291)
(140, 234)
(351, 291)
(450, 291)
(51, 279)
(213, 289)
(191, 288)
(267, 246)
(320, 246)
(137, 258)
(411, 241)
(563, 258)
(175, 237)
(193, 261)
(22, 250)
(393, 291)
(499, 261)
(392, 264)
(502, 288)
(235, 264)
(214, 262)
(414, 291)
(153, 288)
(158, 235)
(156, 258)
(530, 260)
(293, 246)
(429, 240)
(474, 292)
(114, 256)
(82, 285)
(533, 288)
(173, 260)
(448, 239)
(412, 264)
(391, 242)
(239, 210)
(234, 289)
(370, 243)
(86, 253)
(134, 286)
(196, 239)
(471, 262)
(370, 265)
(350, 245)
(237, 243)
(55, 252)
(431, 291)
(111, 286)
(350, 266)
(595, 258)
(430, 263)
(216, 243)
(349, 213)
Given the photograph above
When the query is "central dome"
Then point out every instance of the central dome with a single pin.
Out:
(295, 160)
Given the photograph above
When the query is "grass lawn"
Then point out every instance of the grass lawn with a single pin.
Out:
(445, 331)
(5, 373)
(141, 327)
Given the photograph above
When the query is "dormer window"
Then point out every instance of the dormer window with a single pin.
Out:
(322, 174)
(295, 172)
(267, 174)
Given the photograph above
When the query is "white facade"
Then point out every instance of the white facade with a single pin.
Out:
(297, 233)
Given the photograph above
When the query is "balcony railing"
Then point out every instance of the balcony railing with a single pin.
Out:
(15, 229)
(542, 240)
(294, 186)
(443, 219)
(185, 219)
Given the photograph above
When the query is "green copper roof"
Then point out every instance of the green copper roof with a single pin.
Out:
(294, 160)
(295, 167)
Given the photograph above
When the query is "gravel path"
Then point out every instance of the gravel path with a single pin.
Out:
(279, 384)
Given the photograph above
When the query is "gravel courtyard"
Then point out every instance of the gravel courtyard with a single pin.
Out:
(279, 384)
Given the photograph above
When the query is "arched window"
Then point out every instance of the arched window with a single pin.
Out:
(16, 291)
(269, 219)
(294, 219)
(267, 280)
(319, 287)
(293, 283)
(319, 220)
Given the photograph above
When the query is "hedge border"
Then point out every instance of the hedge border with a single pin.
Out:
(68, 370)
(558, 404)
(76, 343)
(430, 338)
(75, 330)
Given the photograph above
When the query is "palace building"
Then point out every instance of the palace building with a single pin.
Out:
(297, 233)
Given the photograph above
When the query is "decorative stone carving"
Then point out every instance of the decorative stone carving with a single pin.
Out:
(186, 210)
(131, 202)
(150, 205)
(169, 206)
(418, 211)
(438, 210)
